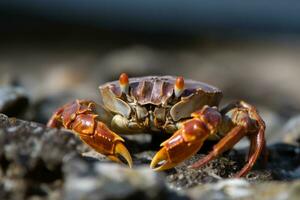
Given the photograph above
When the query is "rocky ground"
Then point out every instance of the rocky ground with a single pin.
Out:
(42, 163)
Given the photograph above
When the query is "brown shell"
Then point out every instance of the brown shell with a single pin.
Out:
(157, 90)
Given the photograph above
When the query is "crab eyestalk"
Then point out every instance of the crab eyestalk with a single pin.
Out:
(124, 83)
(179, 86)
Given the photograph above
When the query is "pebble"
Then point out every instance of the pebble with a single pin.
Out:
(13, 100)
(291, 131)
(111, 181)
(236, 189)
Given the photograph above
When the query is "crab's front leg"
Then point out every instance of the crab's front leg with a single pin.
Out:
(81, 117)
(188, 139)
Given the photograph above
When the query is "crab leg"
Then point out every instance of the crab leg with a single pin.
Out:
(247, 123)
(80, 117)
(257, 147)
(187, 140)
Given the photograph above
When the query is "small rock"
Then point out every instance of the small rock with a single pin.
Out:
(13, 100)
(255, 176)
(283, 161)
(86, 180)
(291, 131)
(224, 189)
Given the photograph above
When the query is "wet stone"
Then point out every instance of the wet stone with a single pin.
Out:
(13, 100)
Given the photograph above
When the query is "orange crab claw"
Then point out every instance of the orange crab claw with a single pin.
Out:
(183, 144)
(79, 116)
(101, 138)
(121, 150)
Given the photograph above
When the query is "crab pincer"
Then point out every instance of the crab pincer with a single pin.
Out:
(79, 116)
(187, 141)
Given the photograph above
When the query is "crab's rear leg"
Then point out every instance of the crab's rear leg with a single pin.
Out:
(81, 117)
(243, 120)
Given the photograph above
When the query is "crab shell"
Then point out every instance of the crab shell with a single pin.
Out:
(152, 97)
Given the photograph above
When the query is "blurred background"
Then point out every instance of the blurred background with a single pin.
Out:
(63, 49)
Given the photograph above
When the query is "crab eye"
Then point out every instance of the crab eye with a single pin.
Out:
(179, 86)
(124, 83)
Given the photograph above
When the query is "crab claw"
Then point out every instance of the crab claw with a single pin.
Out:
(121, 150)
(98, 136)
(108, 143)
(80, 117)
(183, 144)
(161, 158)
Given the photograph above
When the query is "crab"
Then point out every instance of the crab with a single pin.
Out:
(186, 109)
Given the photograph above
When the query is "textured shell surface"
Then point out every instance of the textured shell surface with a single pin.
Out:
(157, 90)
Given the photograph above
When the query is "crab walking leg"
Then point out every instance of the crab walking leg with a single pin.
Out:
(80, 117)
(185, 142)
(247, 123)
(257, 143)
(257, 139)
